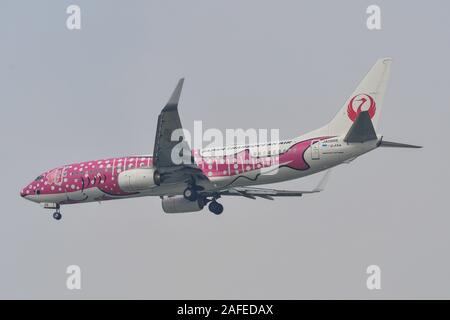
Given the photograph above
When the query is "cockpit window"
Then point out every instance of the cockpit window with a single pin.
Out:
(38, 178)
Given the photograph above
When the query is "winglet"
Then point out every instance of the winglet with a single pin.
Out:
(322, 183)
(175, 97)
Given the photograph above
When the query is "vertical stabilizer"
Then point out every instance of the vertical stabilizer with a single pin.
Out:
(368, 96)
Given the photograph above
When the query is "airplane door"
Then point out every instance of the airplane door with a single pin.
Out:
(37, 193)
(315, 149)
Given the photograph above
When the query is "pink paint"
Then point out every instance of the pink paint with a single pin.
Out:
(78, 177)
(103, 174)
(243, 161)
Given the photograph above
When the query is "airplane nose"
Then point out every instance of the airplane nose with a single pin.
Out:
(25, 191)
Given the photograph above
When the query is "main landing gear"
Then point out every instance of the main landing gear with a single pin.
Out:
(191, 194)
(215, 207)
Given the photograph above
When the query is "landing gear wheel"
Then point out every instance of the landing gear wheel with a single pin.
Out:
(57, 215)
(190, 194)
(215, 207)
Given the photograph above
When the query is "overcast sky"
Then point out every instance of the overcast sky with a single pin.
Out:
(69, 96)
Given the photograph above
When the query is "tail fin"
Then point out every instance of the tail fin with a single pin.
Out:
(368, 96)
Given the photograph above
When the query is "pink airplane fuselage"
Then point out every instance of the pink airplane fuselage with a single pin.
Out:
(98, 180)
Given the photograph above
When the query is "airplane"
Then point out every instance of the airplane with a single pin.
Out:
(189, 186)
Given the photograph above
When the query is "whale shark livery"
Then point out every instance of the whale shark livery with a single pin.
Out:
(204, 176)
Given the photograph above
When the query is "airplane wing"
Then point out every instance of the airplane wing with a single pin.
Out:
(169, 124)
(266, 193)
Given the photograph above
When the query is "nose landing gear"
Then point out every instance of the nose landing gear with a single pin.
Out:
(57, 214)
(191, 193)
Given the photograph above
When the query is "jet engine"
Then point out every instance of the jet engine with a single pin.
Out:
(136, 179)
(178, 204)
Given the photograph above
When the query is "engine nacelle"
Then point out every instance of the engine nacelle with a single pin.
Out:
(138, 179)
(178, 204)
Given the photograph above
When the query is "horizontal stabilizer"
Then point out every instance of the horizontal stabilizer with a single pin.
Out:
(361, 130)
(397, 145)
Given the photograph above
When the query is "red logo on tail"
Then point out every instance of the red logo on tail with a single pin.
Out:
(356, 104)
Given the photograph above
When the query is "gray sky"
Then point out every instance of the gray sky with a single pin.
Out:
(69, 96)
